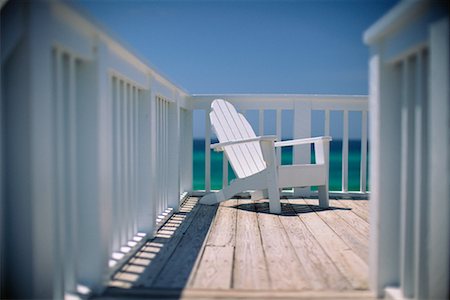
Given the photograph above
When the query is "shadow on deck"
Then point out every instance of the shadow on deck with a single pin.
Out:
(240, 250)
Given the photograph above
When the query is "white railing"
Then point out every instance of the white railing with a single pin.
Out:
(410, 112)
(302, 107)
(98, 133)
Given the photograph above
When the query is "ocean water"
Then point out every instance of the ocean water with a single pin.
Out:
(354, 160)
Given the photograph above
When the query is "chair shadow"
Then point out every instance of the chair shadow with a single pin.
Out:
(287, 209)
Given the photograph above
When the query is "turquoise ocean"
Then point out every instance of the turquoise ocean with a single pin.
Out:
(354, 161)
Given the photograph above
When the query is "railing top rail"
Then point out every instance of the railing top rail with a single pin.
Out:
(284, 101)
(393, 20)
(80, 19)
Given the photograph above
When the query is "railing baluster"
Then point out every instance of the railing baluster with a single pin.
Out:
(327, 123)
(60, 170)
(136, 156)
(160, 169)
(363, 168)
(71, 237)
(123, 162)
(165, 160)
(207, 152)
(118, 168)
(132, 165)
(278, 130)
(127, 161)
(261, 122)
(345, 153)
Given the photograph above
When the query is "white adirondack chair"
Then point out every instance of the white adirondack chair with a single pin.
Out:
(254, 163)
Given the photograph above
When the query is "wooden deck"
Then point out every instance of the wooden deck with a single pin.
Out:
(240, 250)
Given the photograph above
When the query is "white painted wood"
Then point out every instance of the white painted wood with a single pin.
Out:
(384, 173)
(122, 200)
(327, 122)
(159, 170)
(278, 130)
(345, 153)
(101, 248)
(271, 171)
(302, 129)
(60, 171)
(407, 180)
(164, 153)
(71, 208)
(137, 106)
(126, 162)
(236, 136)
(261, 122)
(173, 145)
(117, 167)
(146, 200)
(40, 168)
(130, 145)
(284, 101)
(186, 149)
(222, 146)
(306, 141)
(439, 161)
(420, 178)
(207, 152)
(229, 126)
(363, 163)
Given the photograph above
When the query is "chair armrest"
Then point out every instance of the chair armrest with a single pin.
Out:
(302, 141)
(219, 146)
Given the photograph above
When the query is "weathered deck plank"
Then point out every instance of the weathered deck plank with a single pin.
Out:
(353, 219)
(321, 270)
(223, 230)
(250, 267)
(215, 268)
(352, 237)
(350, 264)
(285, 270)
(358, 209)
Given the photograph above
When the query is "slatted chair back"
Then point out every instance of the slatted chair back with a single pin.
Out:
(229, 125)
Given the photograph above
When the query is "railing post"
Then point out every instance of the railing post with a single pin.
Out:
(438, 169)
(154, 186)
(407, 181)
(174, 153)
(302, 129)
(384, 173)
(95, 170)
(187, 151)
(207, 152)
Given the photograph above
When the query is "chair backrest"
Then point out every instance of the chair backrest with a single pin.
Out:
(229, 125)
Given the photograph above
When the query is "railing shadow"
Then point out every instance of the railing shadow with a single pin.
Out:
(164, 264)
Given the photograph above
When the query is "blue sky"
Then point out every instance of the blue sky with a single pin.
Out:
(249, 46)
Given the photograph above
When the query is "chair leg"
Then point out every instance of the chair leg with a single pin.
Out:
(236, 186)
(274, 198)
(323, 196)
